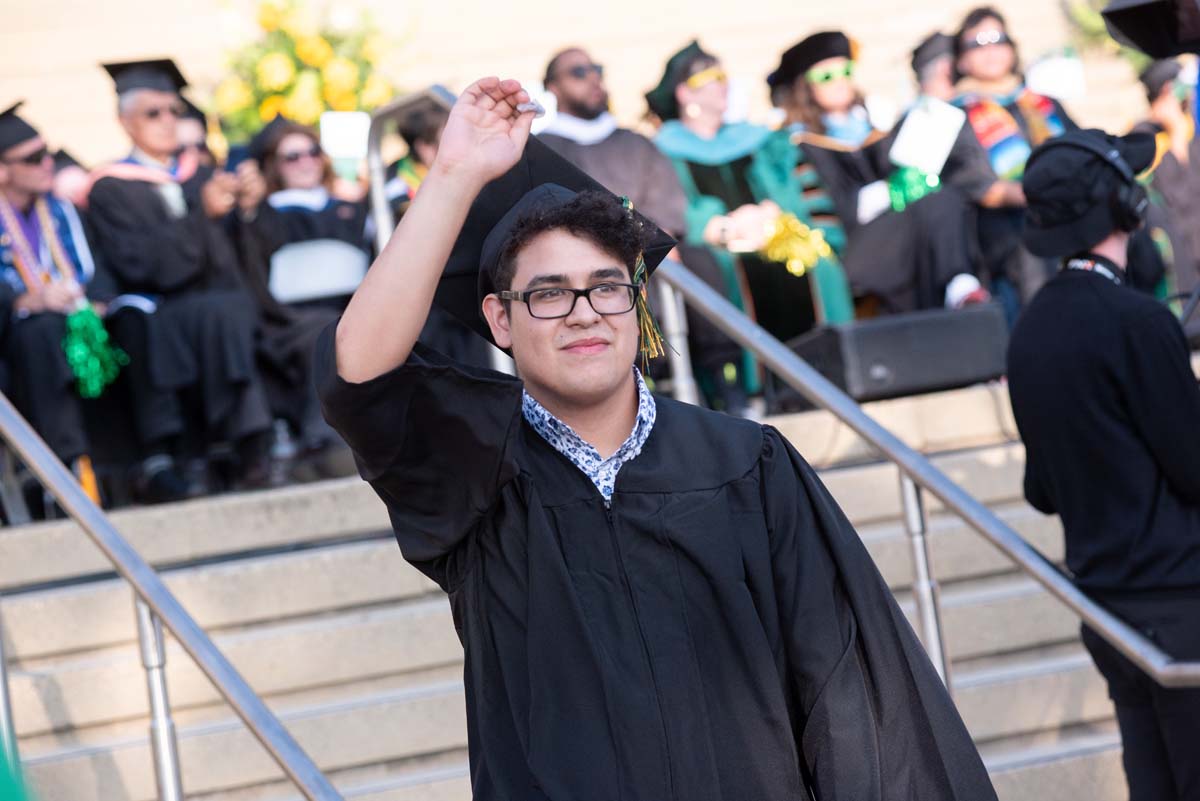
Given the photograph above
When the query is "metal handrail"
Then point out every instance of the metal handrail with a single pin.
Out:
(157, 603)
(802, 377)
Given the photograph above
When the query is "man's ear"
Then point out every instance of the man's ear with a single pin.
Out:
(126, 121)
(4, 175)
(496, 314)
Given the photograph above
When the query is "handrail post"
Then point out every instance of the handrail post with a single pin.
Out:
(162, 727)
(675, 332)
(8, 726)
(925, 588)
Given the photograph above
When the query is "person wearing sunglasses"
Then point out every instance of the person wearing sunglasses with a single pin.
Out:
(737, 181)
(191, 133)
(845, 168)
(1009, 120)
(1176, 183)
(656, 601)
(47, 272)
(300, 207)
(162, 225)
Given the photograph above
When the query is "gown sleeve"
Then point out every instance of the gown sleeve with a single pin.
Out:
(435, 441)
(875, 722)
(147, 254)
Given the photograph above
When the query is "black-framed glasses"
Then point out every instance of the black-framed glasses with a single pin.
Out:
(34, 159)
(554, 302)
(292, 157)
(176, 110)
(199, 147)
(986, 39)
(581, 71)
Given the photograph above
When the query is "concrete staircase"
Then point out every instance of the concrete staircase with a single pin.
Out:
(305, 591)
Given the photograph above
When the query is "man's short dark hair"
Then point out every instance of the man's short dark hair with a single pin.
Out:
(596, 216)
(423, 126)
(552, 67)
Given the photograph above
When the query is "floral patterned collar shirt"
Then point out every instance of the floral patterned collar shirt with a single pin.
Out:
(602, 472)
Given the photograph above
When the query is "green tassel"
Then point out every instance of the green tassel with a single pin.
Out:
(93, 359)
(907, 185)
(650, 337)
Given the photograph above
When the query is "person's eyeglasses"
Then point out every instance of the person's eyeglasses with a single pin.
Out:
(986, 39)
(581, 71)
(830, 74)
(176, 110)
(705, 77)
(34, 159)
(292, 157)
(555, 302)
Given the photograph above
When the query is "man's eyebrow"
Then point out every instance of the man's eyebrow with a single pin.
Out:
(608, 272)
(540, 280)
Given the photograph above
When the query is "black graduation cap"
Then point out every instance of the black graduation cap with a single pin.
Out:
(800, 57)
(541, 180)
(193, 112)
(269, 135)
(932, 47)
(158, 74)
(1156, 76)
(661, 98)
(63, 159)
(1160, 28)
(13, 129)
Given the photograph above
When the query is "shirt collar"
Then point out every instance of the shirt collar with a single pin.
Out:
(564, 439)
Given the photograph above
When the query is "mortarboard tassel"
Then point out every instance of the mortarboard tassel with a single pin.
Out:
(650, 336)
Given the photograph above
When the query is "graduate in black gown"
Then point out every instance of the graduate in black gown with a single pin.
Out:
(161, 225)
(48, 273)
(656, 601)
(297, 177)
(902, 254)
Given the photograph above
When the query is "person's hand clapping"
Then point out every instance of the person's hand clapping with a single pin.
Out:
(219, 194)
(251, 186)
(485, 134)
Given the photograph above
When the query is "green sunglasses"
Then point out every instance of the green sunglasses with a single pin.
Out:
(830, 75)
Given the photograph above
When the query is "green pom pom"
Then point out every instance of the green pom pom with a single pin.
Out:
(907, 185)
(93, 359)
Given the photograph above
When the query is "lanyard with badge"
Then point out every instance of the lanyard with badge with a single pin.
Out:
(1090, 266)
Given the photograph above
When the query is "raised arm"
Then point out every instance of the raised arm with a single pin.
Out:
(484, 137)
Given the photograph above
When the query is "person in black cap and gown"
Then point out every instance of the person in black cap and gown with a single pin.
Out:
(48, 272)
(161, 224)
(1106, 401)
(656, 601)
(901, 256)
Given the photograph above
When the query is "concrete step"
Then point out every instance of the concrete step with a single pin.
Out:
(215, 528)
(1076, 762)
(937, 422)
(276, 659)
(383, 723)
(227, 594)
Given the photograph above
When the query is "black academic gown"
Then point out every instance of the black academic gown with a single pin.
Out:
(902, 259)
(202, 336)
(288, 333)
(719, 633)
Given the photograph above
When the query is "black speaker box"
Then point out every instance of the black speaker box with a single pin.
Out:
(906, 354)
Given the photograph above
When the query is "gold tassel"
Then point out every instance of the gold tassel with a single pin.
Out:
(650, 336)
(795, 245)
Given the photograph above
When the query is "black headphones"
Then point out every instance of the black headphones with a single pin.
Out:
(1130, 201)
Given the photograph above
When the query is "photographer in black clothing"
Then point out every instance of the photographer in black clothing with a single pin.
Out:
(1108, 407)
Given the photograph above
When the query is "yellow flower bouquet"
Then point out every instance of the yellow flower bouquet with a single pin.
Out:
(300, 67)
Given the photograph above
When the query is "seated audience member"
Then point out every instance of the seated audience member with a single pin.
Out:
(1009, 120)
(628, 164)
(192, 132)
(933, 64)
(47, 272)
(297, 180)
(903, 251)
(161, 226)
(741, 191)
(71, 181)
(1176, 183)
